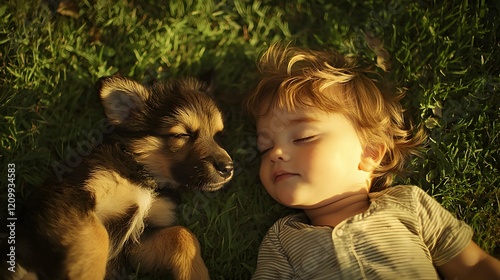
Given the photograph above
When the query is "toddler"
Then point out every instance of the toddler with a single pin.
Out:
(331, 141)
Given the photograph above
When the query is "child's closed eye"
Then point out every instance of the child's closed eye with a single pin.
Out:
(264, 151)
(306, 139)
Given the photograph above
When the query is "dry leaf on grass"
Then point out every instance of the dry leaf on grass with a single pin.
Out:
(69, 8)
(383, 56)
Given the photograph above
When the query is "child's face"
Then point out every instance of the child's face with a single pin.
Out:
(309, 157)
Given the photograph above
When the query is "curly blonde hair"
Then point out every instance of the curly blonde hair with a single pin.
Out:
(330, 82)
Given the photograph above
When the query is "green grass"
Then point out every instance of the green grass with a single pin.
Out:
(445, 54)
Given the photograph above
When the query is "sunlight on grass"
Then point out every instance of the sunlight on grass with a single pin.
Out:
(445, 55)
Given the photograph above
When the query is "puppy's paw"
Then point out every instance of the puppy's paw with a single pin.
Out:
(173, 248)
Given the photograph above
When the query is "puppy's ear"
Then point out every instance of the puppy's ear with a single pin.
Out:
(208, 80)
(121, 98)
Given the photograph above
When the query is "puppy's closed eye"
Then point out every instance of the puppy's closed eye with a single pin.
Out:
(180, 135)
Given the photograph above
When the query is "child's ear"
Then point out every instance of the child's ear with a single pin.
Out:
(371, 157)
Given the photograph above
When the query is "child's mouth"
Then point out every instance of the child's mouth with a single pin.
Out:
(283, 176)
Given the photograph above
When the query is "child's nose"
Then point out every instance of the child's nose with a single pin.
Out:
(279, 153)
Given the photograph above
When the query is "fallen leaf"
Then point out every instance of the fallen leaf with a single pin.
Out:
(437, 110)
(69, 8)
(377, 45)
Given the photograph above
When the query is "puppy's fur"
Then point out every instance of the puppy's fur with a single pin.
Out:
(118, 204)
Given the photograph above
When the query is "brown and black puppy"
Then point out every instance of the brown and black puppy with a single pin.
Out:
(118, 203)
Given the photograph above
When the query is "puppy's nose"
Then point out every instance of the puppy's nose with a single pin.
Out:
(225, 169)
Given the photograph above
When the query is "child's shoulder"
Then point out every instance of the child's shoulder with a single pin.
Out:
(402, 196)
(298, 220)
(400, 191)
(291, 222)
(294, 228)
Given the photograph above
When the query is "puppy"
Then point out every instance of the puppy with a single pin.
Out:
(118, 203)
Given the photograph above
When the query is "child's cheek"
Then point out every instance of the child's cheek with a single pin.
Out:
(265, 174)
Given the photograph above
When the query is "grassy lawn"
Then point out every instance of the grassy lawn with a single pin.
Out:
(447, 56)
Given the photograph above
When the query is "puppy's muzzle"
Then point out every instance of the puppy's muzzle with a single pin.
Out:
(224, 168)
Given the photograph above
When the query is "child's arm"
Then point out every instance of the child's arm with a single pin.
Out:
(271, 262)
(471, 263)
(449, 242)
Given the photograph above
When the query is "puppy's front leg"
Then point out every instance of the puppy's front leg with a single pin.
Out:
(88, 248)
(174, 248)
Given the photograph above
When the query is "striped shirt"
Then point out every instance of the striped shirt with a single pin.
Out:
(404, 234)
